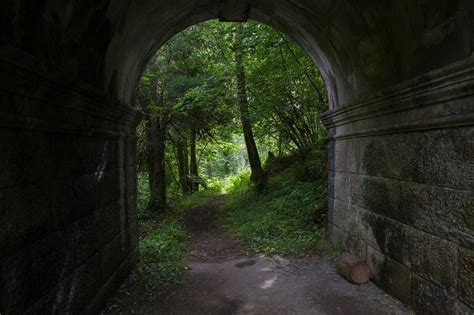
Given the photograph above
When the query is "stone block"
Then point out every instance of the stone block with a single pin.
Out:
(87, 239)
(44, 306)
(105, 157)
(84, 190)
(338, 152)
(62, 203)
(337, 236)
(377, 157)
(379, 195)
(446, 213)
(426, 255)
(432, 258)
(2, 287)
(131, 151)
(74, 293)
(331, 148)
(93, 155)
(110, 258)
(23, 164)
(108, 221)
(463, 309)
(3, 220)
(331, 214)
(339, 186)
(44, 156)
(108, 188)
(389, 275)
(428, 298)
(32, 272)
(439, 158)
(341, 215)
(119, 275)
(96, 305)
(393, 156)
(131, 177)
(131, 208)
(354, 161)
(387, 235)
(466, 276)
(26, 216)
(448, 157)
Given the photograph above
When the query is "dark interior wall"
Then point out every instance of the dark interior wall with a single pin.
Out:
(401, 157)
(67, 190)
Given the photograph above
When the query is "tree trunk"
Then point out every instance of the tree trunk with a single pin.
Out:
(353, 269)
(149, 154)
(194, 164)
(258, 176)
(158, 182)
(181, 154)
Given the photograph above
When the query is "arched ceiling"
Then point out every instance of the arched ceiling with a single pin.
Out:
(360, 46)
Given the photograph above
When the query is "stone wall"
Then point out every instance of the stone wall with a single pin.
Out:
(67, 191)
(402, 188)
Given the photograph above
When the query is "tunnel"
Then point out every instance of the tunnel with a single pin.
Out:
(400, 82)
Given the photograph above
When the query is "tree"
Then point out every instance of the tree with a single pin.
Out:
(258, 175)
(151, 101)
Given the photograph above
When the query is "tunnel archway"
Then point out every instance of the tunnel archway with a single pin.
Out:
(401, 85)
(358, 48)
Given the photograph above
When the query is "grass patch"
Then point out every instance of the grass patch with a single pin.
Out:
(163, 239)
(288, 218)
(163, 243)
(196, 199)
(162, 253)
(143, 194)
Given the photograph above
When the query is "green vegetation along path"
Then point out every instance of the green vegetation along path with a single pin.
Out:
(222, 279)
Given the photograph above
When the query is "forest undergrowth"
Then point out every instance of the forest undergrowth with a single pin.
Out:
(287, 218)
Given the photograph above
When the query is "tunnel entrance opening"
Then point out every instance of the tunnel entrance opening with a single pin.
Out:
(212, 217)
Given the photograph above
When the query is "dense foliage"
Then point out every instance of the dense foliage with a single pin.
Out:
(214, 91)
(162, 253)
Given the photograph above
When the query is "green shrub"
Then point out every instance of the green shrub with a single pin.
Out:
(288, 218)
(143, 194)
(239, 182)
(162, 254)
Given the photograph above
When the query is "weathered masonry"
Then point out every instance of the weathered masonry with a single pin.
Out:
(400, 78)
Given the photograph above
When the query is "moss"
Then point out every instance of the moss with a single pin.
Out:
(375, 159)
(377, 197)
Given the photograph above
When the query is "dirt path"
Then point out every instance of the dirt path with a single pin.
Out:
(221, 279)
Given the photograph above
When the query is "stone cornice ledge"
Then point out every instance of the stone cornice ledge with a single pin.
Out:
(437, 87)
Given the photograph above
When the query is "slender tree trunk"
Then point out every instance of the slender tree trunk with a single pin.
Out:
(149, 154)
(158, 183)
(194, 164)
(186, 164)
(181, 154)
(258, 176)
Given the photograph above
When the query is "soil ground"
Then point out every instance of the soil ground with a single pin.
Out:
(222, 279)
